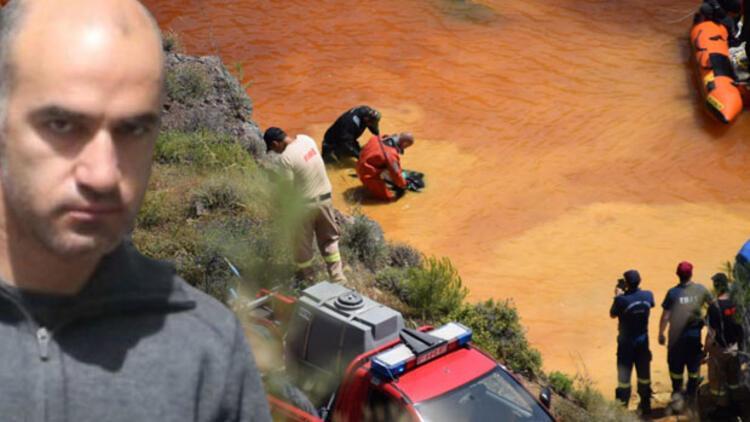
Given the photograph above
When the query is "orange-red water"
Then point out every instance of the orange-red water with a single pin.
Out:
(563, 141)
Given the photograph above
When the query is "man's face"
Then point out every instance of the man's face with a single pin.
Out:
(78, 141)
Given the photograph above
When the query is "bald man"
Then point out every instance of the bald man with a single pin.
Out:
(90, 329)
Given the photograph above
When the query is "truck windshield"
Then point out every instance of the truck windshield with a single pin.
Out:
(495, 396)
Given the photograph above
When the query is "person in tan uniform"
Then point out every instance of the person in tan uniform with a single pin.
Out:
(299, 161)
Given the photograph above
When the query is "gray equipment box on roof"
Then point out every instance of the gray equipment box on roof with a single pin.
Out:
(333, 324)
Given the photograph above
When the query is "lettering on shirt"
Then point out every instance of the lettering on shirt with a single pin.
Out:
(310, 154)
(686, 300)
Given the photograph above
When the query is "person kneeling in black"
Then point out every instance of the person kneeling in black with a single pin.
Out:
(340, 140)
(632, 307)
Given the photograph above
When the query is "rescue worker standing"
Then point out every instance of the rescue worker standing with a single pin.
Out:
(300, 162)
(340, 140)
(682, 311)
(632, 308)
(379, 166)
(723, 342)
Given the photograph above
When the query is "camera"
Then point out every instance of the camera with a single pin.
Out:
(621, 284)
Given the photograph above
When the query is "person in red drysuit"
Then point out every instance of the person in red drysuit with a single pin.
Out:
(379, 165)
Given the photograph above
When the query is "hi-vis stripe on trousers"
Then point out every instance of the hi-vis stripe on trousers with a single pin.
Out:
(319, 224)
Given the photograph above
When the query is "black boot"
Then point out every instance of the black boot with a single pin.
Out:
(644, 392)
(623, 395)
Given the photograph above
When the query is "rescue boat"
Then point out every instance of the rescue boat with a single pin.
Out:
(722, 95)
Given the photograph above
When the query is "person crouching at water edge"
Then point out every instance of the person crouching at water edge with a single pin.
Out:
(298, 161)
(340, 140)
(379, 167)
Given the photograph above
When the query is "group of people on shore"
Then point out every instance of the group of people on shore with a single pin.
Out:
(299, 161)
(683, 314)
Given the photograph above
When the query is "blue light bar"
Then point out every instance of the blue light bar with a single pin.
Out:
(453, 331)
(393, 362)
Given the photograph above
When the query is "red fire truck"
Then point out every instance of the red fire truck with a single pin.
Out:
(348, 358)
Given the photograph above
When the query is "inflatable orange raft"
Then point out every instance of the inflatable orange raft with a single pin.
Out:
(723, 96)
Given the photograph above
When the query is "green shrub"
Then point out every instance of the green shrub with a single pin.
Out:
(187, 82)
(569, 411)
(158, 207)
(178, 243)
(223, 192)
(434, 288)
(497, 329)
(202, 150)
(363, 241)
(392, 279)
(403, 256)
(597, 407)
(561, 383)
(255, 248)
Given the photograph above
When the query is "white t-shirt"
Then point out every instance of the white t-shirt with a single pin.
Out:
(302, 164)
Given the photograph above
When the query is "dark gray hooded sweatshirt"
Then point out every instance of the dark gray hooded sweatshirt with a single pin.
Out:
(136, 344)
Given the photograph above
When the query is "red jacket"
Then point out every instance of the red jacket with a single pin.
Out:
(377, 157)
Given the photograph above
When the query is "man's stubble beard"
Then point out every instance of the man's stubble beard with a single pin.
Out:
(58, 241)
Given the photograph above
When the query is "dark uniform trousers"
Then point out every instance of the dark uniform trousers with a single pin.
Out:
(633, 352)
(723, 372)
(340, 149)
(685, 352)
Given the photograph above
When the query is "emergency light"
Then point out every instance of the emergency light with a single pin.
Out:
(397, 360)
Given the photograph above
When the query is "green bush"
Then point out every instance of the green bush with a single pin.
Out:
(561, 383)
(178, 243)
(202, 150)
(229, 193)
(255, 248)
(434, 288)
(497, 329)
(187, 83)
(158, 207)
(594, 404)
(392, 279)
(403, 256)
(363, 241)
